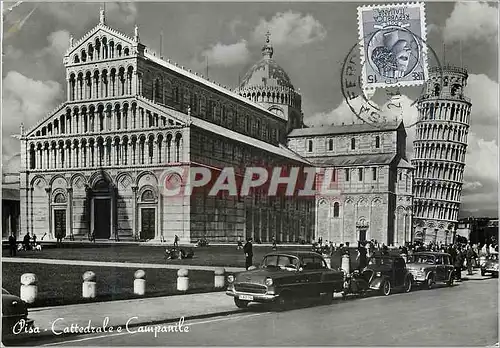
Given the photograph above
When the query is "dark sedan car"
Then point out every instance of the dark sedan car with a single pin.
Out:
(283, 277)
(384, 273)
(491, 265)
(13, 311)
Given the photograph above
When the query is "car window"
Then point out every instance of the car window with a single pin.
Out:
(439, 261)
(377, 261)
(320, 262)
(270, 261)
(287, 262)
(429, 259)
(5, 292)
(311, 262)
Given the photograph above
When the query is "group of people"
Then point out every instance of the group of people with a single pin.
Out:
(29, 243)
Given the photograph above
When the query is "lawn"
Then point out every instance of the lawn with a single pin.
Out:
(62, 284)
(224, 256)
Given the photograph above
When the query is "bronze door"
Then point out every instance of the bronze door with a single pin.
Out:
(148, 223)
(60, 223)
(362, 235)
(102, 218)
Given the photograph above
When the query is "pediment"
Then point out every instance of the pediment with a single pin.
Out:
(99, 32)
(56, 113)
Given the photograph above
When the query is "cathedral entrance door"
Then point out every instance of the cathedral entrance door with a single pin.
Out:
(362, 234)
(102, 218)
(148, 222)
(60, 223)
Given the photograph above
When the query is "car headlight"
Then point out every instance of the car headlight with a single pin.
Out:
(495, 266)
(378, 274)
(422, 269)
(269, 281)
(230, 278)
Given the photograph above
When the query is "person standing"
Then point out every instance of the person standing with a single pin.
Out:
(176, 241)
(13, 244)
(26, 242)
(362, 259)
(458, 264)
(248, 250)
(469, 256)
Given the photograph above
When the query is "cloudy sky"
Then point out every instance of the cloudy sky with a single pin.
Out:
(311, 40)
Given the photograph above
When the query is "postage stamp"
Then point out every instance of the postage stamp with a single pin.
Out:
(392, 45)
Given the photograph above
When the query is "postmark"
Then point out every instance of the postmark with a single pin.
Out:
(391, 49)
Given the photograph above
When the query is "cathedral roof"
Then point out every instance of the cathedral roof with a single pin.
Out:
(266, 72)
(345, 129)
(354, 160)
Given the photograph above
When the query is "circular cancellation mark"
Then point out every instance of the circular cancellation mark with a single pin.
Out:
(352, 86)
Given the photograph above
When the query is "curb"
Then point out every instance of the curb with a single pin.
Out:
(38, 337)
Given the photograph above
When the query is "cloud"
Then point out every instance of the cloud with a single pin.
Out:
(290, 29)
(483, 93)
(25, 101)
(227, 55)
(472, 21)
(78, 15)
(58, 44)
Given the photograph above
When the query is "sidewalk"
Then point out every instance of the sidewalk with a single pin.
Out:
(117, 264)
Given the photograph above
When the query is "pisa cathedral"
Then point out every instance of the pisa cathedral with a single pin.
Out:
(96, 163)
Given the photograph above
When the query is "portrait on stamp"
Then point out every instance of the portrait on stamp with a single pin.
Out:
(392, 45)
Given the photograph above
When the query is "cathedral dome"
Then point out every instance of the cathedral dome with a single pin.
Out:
(266, 72)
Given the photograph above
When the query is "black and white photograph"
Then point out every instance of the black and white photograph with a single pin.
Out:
(246, 173)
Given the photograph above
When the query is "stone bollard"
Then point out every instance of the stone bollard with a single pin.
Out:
(29, 290)
(405, 257)
(346, 263)
(139, 282)
(182, 280)
(89, 285)
(219, 279)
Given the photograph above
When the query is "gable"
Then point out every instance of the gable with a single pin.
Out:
(98, 33)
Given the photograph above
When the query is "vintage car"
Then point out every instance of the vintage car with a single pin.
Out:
(428, 268)
(491, 265)
(13, 311)
(385, 273)
(283, 277)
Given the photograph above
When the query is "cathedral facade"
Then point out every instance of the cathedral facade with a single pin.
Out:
(97, 163)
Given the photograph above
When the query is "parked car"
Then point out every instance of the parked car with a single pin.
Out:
(384, 273)
(284, 277)
(428, 268)
(13, 311)
(491, 265)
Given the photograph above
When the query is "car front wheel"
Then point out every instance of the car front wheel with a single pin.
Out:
(241, 303)
(483, 273)
(386, 288)
(408, 284)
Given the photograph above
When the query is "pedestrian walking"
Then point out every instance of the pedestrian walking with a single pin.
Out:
(248, 250)
(12, 244)
(274, 244)
(458, 264)
(176, 241)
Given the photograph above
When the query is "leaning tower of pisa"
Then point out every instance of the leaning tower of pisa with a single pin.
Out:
(439, 154)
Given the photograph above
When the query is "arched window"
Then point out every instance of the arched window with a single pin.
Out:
(330, 144)
(336, 209)
(60, 198)
(148, 196)
(347, 175)
(360, 174)
(377, 142)
(309, 146)
(353, 144)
